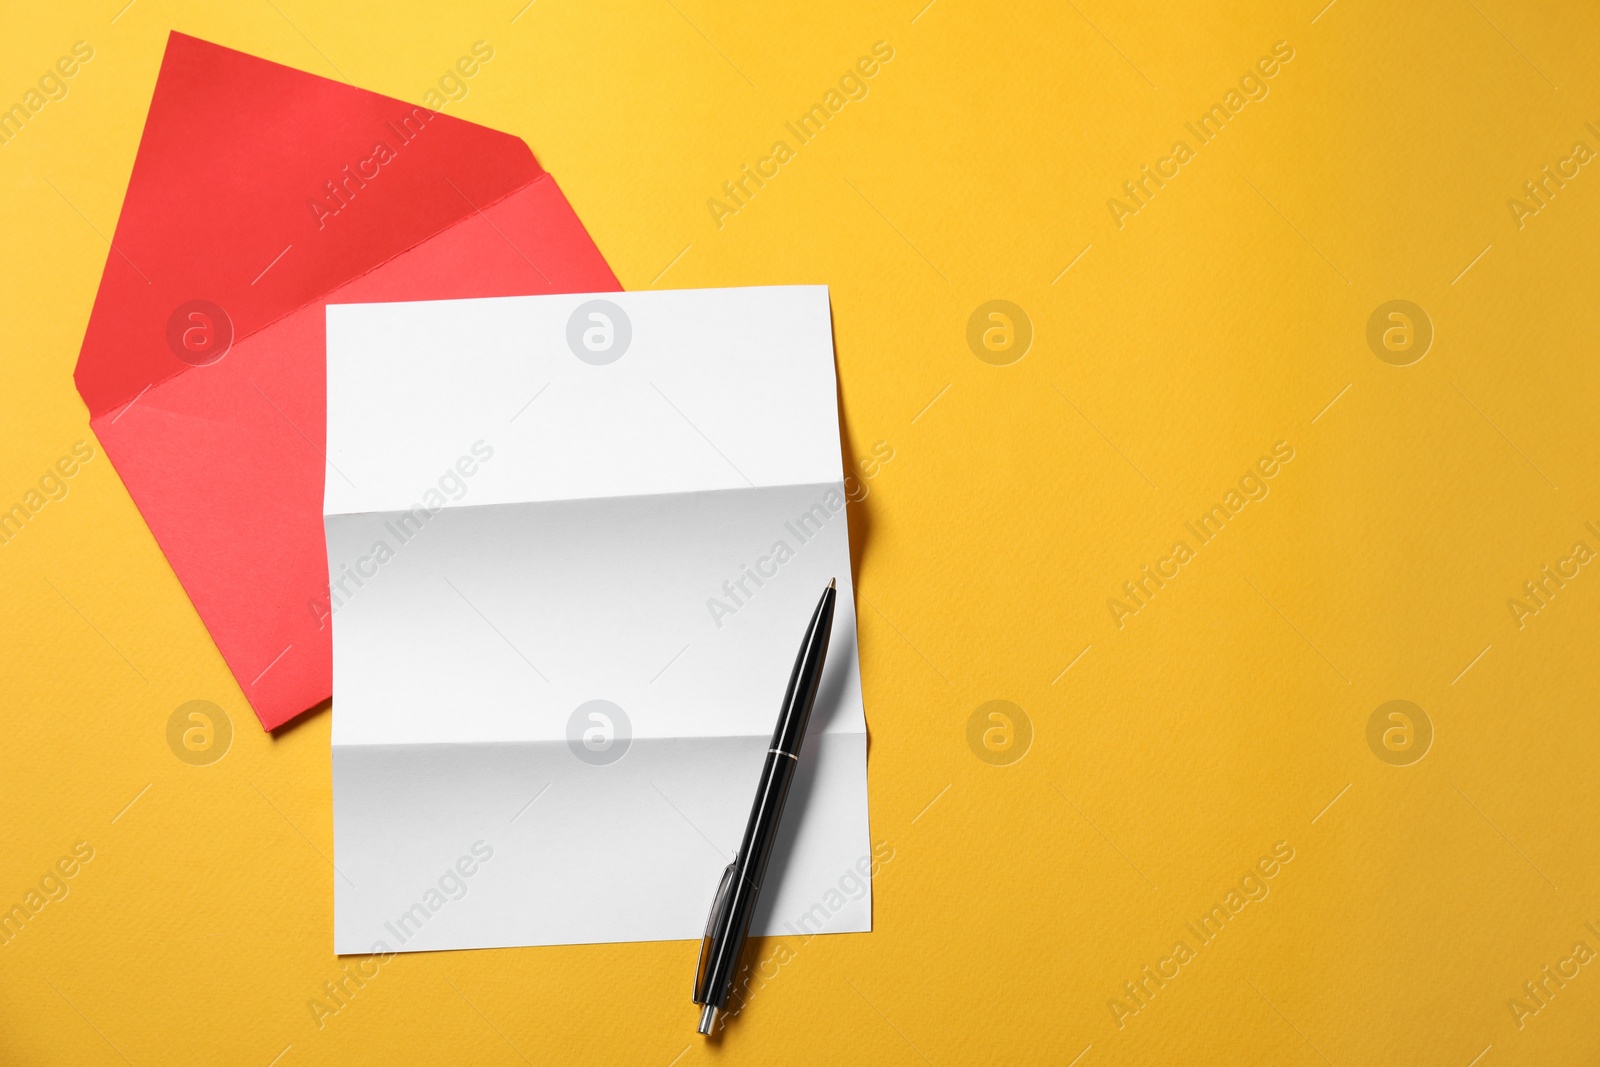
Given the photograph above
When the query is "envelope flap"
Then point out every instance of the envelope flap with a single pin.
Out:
(258, 188)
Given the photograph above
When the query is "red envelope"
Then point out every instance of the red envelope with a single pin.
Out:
(261, 193)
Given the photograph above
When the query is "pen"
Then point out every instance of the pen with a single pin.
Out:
(735, 903)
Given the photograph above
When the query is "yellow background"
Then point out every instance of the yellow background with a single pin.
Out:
(1227, 715)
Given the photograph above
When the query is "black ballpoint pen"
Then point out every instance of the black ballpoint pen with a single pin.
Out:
(735, 903)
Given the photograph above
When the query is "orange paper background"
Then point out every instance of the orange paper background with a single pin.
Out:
(1171, 348)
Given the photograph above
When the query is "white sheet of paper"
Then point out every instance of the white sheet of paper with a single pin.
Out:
(536, 503)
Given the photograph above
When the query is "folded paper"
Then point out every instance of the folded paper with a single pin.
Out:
(575, 548)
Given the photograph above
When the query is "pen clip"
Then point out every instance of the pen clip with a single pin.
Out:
(702, 971)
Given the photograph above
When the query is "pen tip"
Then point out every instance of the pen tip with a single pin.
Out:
(832, 584)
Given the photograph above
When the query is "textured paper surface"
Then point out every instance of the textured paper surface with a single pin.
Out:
(537, 518)
(1004, 506)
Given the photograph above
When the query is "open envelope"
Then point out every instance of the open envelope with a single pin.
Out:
(578, 546)
(259, 194)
